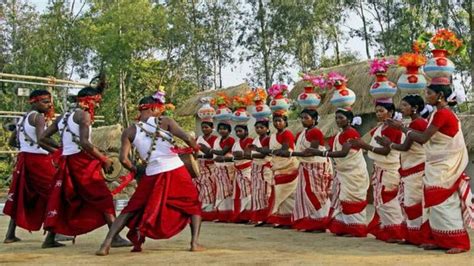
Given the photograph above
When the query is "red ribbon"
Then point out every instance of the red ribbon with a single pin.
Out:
(124, 181)
(88, 103)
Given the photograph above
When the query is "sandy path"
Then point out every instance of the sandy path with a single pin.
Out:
(230, 244)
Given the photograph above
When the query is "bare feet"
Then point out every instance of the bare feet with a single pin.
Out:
(11, 240)
(196, 247)
(103, 251)
(136, 249)
(455, 251)
(53, 244)
(118, 242)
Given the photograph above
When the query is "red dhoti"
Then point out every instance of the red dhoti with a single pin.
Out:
(79, 198)
(162, 205)
(29, 191)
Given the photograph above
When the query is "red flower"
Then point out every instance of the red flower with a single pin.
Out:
(259, 108)
(237, 114)
(273, 102)
(376, 85)
(218, 111)
(304, 96)
(412, 79)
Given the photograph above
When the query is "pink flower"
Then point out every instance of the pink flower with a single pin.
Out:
(335, 78)
(380, 65)
(317, 81)
(277, 89)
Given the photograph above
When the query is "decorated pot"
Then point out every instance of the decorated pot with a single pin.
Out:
(439, 65)
(279, 103)
(240, 116)
(343, 97)
(206, 112)
(382, 87)
(260, 110)
(223, 113)
(412, 81)
(309, 98)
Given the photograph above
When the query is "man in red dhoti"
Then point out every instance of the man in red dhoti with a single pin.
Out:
(80, 200)
(34, 171)
(166, 199)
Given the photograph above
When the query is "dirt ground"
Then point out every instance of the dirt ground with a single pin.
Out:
(230, 244)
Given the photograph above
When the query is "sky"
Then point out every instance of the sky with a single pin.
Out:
(235, 74)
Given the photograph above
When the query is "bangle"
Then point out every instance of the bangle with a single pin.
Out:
(326, 153)
(211, 150)
(391, 145)
(408, 132)
(291, 153)
(372, 149)
(271, 151)
(251, 155)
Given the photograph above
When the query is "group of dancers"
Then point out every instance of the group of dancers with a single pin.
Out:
(421, 194)
(61, 187)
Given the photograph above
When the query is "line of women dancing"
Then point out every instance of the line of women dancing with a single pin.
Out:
(312, 182)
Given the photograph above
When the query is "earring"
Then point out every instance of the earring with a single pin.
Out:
(414, 111)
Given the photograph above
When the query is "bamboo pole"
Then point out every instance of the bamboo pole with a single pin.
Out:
(50, 79)
(42, 84)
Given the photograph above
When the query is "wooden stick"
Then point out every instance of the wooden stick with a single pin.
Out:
(51, 79)
(42, 84)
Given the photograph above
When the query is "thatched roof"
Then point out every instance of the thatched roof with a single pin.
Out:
(107, 138)
(359, 81)
(191, 106)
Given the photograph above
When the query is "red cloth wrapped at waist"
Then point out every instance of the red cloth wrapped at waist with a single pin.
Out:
(163, 205)
(31, 185)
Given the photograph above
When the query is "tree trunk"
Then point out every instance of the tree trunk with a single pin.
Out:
(125, 102)
(336, 47)
(382, 29)
(366, 34)
(219, 65)
(195, 47)
(121, 98)
(263, 43)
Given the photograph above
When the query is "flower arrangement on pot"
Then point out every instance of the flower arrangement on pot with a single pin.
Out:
(309, 98)
(240, 104)
(412, 81)
(444, 43)
(278, 94)
(222, 101)
(382, 87)
(342, 97)
(259, 110)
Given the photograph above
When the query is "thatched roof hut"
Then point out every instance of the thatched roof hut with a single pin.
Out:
(190, 107)
(107, 138)
(359, 81)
